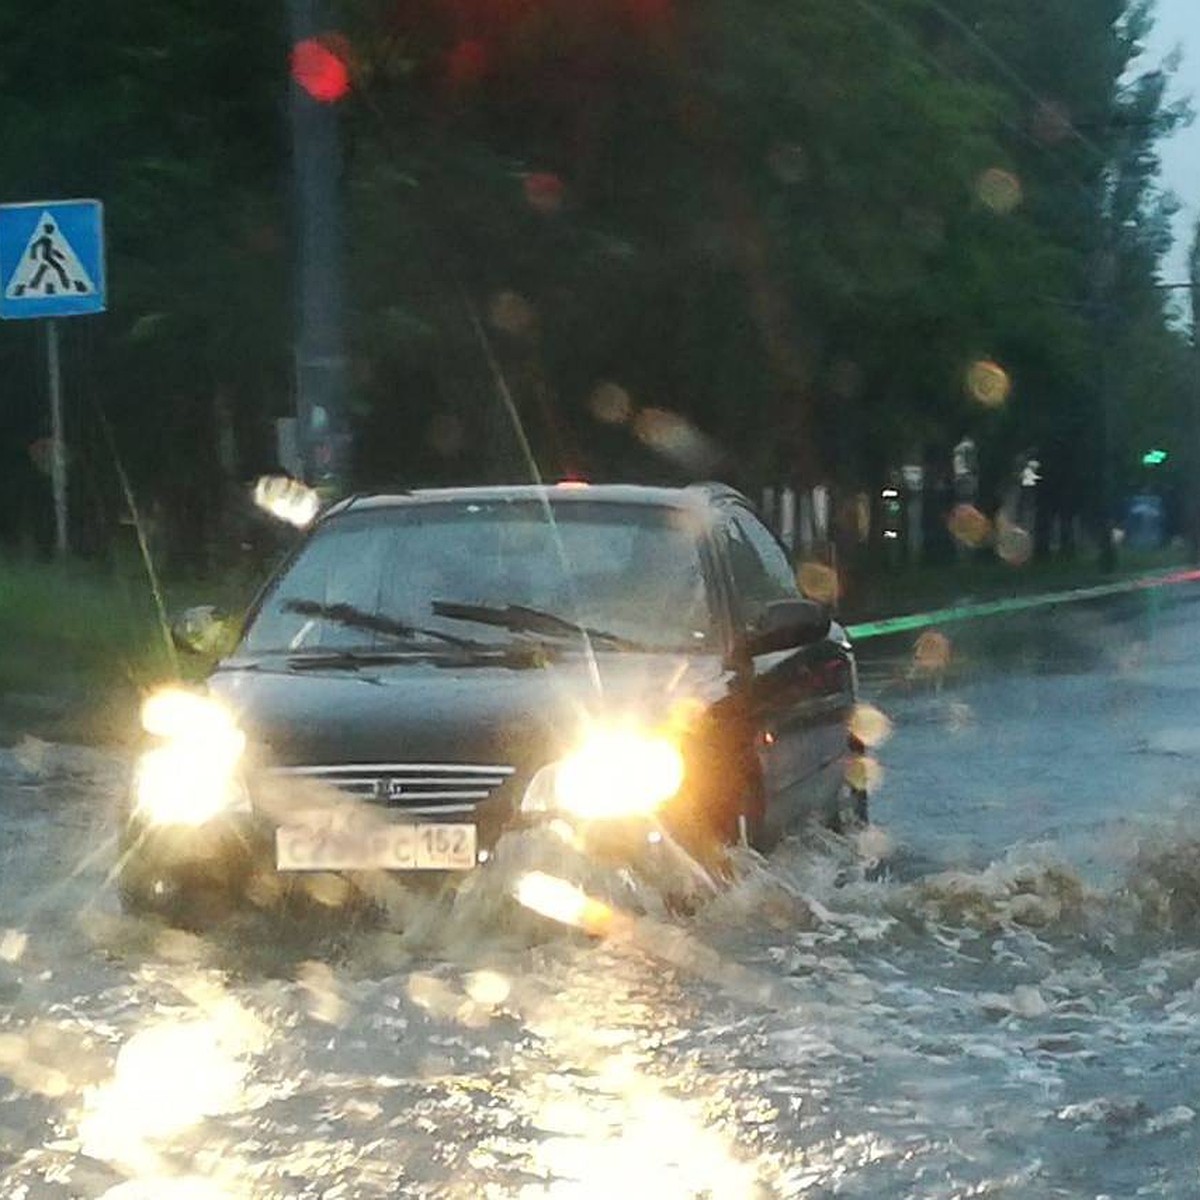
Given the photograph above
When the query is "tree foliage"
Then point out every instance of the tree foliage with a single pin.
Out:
(640, 238)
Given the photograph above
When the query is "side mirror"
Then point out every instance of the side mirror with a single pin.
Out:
(202, 630)
(787, 625)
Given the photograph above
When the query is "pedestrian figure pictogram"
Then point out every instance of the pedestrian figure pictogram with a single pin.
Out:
(49, 267)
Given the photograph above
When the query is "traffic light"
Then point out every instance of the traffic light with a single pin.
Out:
(320, 65)
(1154, 458)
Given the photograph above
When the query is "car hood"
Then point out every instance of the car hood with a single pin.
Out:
(426, 710)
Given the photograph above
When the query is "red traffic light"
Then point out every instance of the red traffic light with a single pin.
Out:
(320, 67)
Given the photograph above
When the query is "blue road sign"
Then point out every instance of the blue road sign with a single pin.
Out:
(52, 259)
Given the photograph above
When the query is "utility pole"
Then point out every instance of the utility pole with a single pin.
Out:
(1106, 285)
(1193, 434)
(1105, 291)
(319, 256)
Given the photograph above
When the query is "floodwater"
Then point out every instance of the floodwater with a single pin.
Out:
(993, 991)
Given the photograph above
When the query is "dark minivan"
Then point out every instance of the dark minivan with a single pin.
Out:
(430, 669)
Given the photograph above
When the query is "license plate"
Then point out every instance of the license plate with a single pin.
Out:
(323, 846)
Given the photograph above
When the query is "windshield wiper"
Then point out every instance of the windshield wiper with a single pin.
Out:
(519, 619)
(349, 660)
(357, 618)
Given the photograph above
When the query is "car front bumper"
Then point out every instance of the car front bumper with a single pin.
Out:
(197, 874)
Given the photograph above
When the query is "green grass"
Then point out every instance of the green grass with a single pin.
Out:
(81, 645)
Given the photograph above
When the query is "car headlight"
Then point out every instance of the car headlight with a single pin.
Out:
(615, 773)
(192, 776)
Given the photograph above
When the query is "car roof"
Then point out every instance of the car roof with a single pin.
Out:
(693, 496)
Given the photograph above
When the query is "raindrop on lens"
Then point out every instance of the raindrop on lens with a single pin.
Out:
(988, 383)
(999, 190)
(968, 526)
(611, 404)
(1014, 545)
(932, 651)
(818, 582)
(512, 314)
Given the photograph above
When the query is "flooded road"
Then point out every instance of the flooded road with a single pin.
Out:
(993, 991)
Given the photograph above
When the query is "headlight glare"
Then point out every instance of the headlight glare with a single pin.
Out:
(177, 713)
(616, 773)
(193, 776)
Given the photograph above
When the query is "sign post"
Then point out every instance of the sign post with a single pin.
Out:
(51, 266)
(58, 445)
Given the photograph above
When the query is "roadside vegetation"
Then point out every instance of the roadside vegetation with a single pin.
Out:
(82, 645)
(888, 592)
(801, 244)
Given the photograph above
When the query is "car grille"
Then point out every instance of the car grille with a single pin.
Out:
(419, 788)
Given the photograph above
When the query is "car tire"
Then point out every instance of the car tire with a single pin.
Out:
(182, 907)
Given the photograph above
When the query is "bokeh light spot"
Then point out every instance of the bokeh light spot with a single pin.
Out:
(819, 582)
(287, 499)
(968, 526)
(12, 945)
(512, 314)
(863, 773)
(932, 651)
(988, 383)
(320, 65)
(869, 725)
(676, 438)
(329, 890)
(999, 190)
(560, 901)
(611, 404)
(1014, 545)
(467, 63)
(544, 191)
(487, 987)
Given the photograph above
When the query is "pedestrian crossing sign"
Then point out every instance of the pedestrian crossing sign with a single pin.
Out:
(52, 259)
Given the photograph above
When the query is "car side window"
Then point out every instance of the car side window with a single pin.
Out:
(760, 567)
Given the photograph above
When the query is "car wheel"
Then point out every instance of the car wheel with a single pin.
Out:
(182, 905)
(750, 821)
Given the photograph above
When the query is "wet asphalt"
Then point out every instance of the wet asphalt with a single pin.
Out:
(992, 991)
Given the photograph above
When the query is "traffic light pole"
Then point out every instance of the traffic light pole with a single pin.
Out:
(1105, 298)
(319, 345)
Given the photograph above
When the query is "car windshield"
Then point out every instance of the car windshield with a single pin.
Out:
(628, 575)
